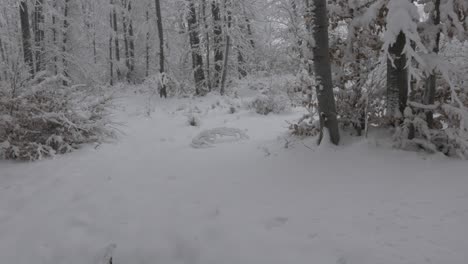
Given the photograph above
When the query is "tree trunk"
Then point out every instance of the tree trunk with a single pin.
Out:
(317, 20)
(197, 60)
(26, 35)
(147, 48)
(116, 40)
(111, 59)
(228, 20)
(397, 78)
(132, 39)
(54, 37)
(64, 41)
(217, 39)
(207, 43)
(126, 40)
(39, 34)
(429, 95)
(162, 90)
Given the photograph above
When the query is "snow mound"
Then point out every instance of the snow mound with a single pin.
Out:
(208, 138)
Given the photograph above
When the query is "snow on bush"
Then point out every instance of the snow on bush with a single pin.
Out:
(43, 118)
(269, 102)
(209, 138)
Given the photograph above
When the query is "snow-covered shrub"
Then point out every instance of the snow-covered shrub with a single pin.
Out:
(193, 120)
(154, 84)
(307, 126)
(43, 117)
(270, 101)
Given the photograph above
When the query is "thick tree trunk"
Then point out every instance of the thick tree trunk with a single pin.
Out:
(397, 78)
(317, 20)
(39, 34)
(429, 95)
(197, 60)
(26, 35)
(162, 90)
(217, 39)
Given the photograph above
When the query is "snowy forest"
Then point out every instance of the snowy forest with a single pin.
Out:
(255, 131)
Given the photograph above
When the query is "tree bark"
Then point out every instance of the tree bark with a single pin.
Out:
(397, 78)
(39, 34)
(217, 39)
(66, 24)
(163, 89)
(429, 95)
(207, 44)
(228, 20)
(126, 40)
(147, 48)
(111, 59)
(116, 40)
(26, 36)
(132, 39)
(197, 60)
(317, 20)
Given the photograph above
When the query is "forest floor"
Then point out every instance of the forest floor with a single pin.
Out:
(269, 199)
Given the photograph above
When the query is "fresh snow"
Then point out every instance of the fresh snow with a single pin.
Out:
(153, 198)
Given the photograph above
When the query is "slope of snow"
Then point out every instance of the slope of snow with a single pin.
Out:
(264, 200)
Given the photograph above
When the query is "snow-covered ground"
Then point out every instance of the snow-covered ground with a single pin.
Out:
(263, 200)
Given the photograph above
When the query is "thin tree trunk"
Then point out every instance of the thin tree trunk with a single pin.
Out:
(197, 59)
(217, 39)
(132, 39)
(397, 78)
(126, 41)
(207, 43)
(228, 20)
(317, 22)
(116, 40)
(162, 90)
(54, 37)
(147, 45)
(429, 95)
(64, 41)
(39, 34)
(111, 62)
(26, 35)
